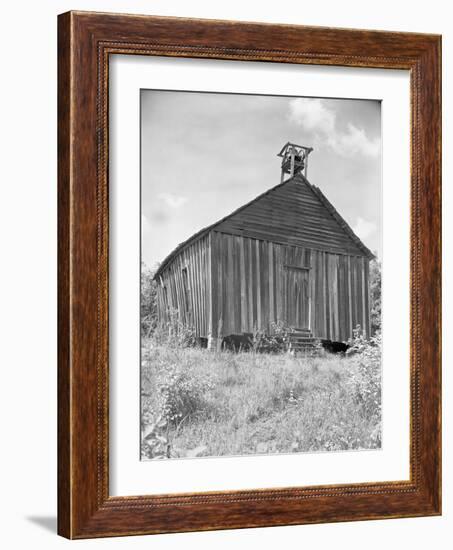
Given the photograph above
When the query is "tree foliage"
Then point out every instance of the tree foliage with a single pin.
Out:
(148, 301)
(375, 295)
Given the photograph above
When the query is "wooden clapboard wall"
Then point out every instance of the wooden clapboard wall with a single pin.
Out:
(249, 278)
(227, 284)
(184, 286)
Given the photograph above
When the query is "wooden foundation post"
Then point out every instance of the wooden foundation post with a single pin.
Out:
(215, 343)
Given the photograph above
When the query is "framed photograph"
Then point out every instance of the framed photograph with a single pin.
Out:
(249, 275)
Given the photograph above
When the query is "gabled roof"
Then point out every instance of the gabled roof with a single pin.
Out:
(342, 222)
(239, 215)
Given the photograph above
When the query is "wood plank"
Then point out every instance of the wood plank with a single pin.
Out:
(180, 293)
(289, 297)
(264, 256)
(205, 284)
(179, 264)
(312, 291)
(278, 281)
(258, 285)
(254, 284)
(341, 300)
(271, 283)
(201, 252)
(193, 268)
(213, 289)
(230, 288)
(174, 286)
(364, 303)
(196, 271)
(345, 302)
(221, 288)
(315, 298)
(202, 286)
(235, 295)
(225, 316)
(355, 291)
(237, 285)
(284, 257)
(249, 268)
(201, 262)
(244, 286)
(319, 297)
(188, 260)
(359, 293)
(336, 324)
(327, 294)
(350, 319)
(367, 297)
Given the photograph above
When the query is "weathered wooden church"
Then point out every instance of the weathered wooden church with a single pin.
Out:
(285, 256)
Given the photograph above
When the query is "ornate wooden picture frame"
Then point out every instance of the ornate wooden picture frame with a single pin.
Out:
(85, 42)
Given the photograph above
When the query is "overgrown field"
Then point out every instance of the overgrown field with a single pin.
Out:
(197, 402)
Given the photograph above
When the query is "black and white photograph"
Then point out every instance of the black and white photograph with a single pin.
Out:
(261, 248)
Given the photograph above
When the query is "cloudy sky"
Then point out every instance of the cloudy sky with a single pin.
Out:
(204, 155)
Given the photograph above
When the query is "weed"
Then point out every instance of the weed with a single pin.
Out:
(199, 403)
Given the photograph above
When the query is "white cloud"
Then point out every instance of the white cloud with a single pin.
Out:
(172, 201)
(364, 228)
(313, 115)
(316, 117)
(355, 141)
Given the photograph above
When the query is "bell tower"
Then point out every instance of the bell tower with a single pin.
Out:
(294, 159)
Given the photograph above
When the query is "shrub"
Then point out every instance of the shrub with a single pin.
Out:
(277, 341)
(174, 333)
(318, 349)
(179, 393)
(365, 376)
(375, 295)
(257, 340)
(148, 301)
(280, 336)
(182, 394)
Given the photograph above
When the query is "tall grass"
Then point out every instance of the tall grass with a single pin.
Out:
(197, 402)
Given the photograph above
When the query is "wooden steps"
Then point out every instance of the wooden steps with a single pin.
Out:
(302, 341)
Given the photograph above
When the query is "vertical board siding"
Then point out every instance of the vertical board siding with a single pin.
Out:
(239, 284)
(255, 275)
(192, 303)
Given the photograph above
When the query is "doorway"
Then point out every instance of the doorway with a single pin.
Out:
(298, 297)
